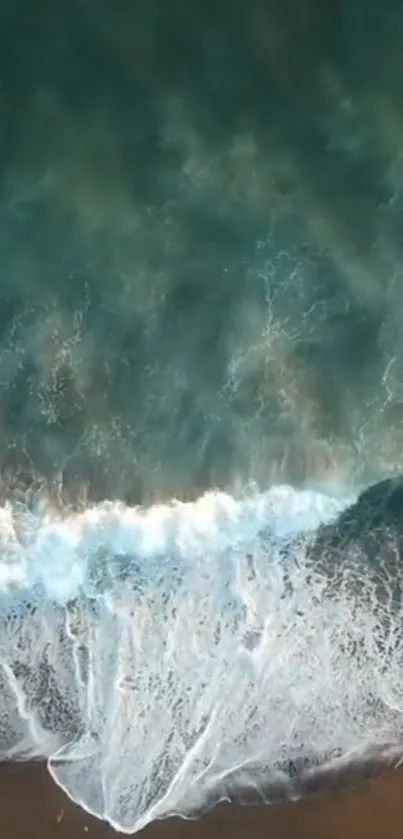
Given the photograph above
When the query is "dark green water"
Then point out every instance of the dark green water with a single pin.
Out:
(201, 241)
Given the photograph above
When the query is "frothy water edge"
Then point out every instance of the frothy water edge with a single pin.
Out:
(162, 659)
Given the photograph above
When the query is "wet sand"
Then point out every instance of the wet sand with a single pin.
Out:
(32, 806)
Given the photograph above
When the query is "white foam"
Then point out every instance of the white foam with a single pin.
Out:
(191, 647)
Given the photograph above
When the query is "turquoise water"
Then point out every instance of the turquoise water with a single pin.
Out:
(200, 241)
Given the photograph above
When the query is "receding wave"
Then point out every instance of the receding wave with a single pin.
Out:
(162, 658)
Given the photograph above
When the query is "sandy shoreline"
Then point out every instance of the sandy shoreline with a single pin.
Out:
(33, 806)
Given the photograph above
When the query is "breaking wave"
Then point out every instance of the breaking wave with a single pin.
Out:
(161, 659)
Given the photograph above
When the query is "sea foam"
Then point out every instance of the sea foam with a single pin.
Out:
(162, 658)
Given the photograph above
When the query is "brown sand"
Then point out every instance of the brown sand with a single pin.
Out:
(32, 807)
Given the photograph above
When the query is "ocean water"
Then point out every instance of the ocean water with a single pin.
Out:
(200, 245)
(200, 299)
(163, 659)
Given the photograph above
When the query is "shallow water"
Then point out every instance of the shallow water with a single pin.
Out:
(163, 658)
